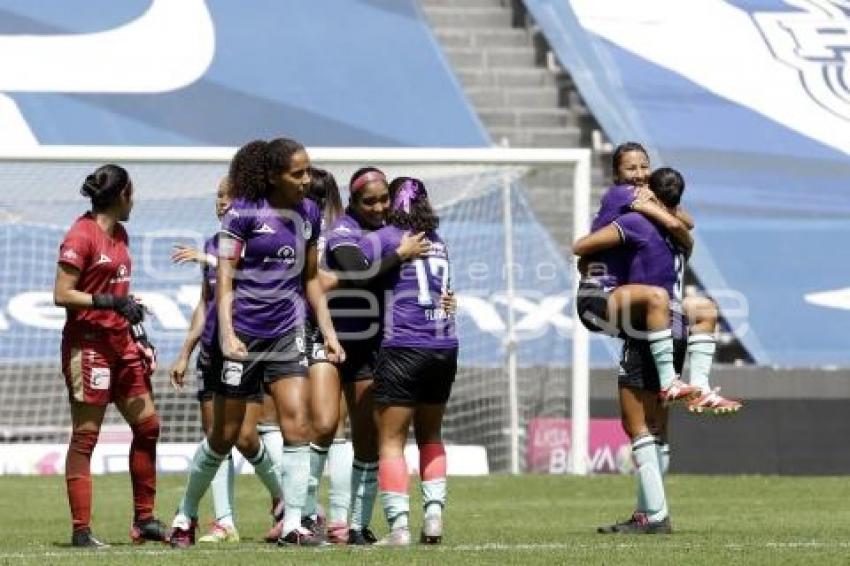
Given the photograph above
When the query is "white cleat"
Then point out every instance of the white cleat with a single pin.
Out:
(432, 530)
(396, 537)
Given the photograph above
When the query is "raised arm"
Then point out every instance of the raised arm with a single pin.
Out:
(675, 227)
(357, 272)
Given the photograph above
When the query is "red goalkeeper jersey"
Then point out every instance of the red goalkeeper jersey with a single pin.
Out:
(104, 264)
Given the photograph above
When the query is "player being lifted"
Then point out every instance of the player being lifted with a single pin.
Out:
(630, 166)
(105, 354)
(416, 365)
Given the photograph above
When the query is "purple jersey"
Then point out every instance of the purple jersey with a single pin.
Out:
(611, 267)
(616, 201)
(653, 254)
(350, 307)
(209, 274)
(413, 315)
(269, 284)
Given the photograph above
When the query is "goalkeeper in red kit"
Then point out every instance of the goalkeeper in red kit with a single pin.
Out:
(106, 356)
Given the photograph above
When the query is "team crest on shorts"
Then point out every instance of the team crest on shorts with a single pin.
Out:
(231, 373)
(816, 42)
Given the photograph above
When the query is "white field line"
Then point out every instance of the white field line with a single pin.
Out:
(484, 547)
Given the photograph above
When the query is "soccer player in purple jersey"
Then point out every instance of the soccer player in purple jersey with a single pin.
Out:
(630, 167)
(267, 266)
(356, 310)
(327, 405)
(203, 330)
(416, 365)
(650, 258)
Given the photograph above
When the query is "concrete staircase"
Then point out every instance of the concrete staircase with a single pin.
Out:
(521, 95)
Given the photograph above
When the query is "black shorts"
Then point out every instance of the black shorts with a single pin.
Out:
(207, 373)
(637, 367)
(592, 307)
(269, 359)
(361, 360)
(410, 376)
(314, 343)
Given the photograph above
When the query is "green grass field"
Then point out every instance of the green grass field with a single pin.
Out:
(496, 520)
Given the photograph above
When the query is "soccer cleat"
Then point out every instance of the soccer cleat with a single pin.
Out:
(300, 537)
(678, 391)
(183, 532)
(432, 530)
(220, 533)
(275, 532)
(337, 533)
(396, 537)
(361, 537)
(314, 524)
(83, 538)
(638, 524)
(150, 530)
(713, 403)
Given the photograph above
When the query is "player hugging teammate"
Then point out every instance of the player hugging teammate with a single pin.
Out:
(272, 331)
(632, 267)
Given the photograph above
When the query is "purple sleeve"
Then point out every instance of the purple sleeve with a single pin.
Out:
(615, 202)
(633, 227)
(236, 224)
(342, 235)
(378, 244)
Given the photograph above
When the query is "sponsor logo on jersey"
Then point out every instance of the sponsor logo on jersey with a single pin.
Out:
(103, 259)
(816, 42)
(122, 275)
(70, 254)
(264, 229)
(285, 254)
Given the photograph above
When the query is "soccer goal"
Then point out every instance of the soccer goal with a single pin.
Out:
(522, 355)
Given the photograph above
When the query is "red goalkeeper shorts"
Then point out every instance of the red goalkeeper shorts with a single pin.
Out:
(101, 366)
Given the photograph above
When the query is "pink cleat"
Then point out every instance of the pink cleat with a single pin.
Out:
(678, 391)
(713, 403)
(337, 533)
(183, 532)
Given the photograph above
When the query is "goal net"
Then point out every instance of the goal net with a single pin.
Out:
(512, 278)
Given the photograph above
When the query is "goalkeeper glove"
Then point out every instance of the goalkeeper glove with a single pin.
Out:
(148, 350)
(128, 307)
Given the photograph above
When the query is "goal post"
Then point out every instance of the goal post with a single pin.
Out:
(484, 195)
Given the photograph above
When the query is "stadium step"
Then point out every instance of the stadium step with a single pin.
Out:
(514, 76)
(494, 57)
(508, 117)
(460, 17)
(459, 37)
(522, 99)
(537, 137)
(493, 97)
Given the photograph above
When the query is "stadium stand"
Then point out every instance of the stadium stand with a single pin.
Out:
(780, 187)
(332, 74)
